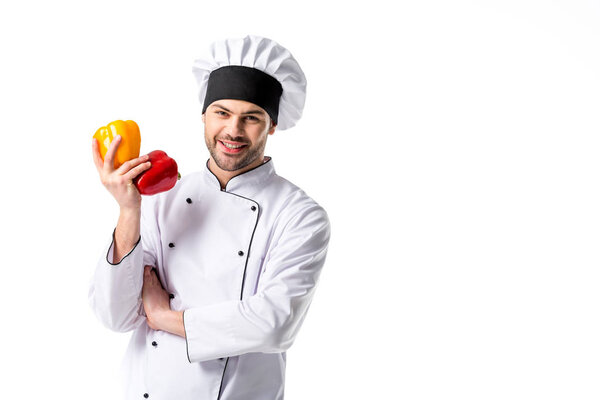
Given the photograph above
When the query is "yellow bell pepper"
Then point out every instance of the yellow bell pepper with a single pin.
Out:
(130, 140)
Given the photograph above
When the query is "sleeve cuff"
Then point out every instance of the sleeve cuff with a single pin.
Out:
(110, 252)
(187, 350)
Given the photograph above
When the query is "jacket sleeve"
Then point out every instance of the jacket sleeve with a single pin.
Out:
(268, 321)
(115, 293)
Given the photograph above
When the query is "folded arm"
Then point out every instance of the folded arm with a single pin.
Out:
(269, 320)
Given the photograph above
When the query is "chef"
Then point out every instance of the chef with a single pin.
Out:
(215, 276)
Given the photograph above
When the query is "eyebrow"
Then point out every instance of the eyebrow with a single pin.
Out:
(255, 111)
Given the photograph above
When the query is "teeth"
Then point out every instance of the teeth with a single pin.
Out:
(232, 146)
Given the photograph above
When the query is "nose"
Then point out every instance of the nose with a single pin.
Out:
(234, 125)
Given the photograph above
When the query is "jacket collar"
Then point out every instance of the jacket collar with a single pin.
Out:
(246, 182)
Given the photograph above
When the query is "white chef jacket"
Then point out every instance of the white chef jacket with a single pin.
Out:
(242, 263)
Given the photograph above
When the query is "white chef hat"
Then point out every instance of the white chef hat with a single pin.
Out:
(253, 69)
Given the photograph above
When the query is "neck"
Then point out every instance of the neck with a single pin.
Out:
(225, 176)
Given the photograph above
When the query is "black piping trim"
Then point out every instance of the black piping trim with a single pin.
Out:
(244, 275)
(222, 378)
(251, 239)
(245, 172)
(125, 256)
(247, 252)
(187, 351)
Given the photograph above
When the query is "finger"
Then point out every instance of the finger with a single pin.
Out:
(134, 162)
(137, 170)
(96, 155)
(109, 157)
(156, 278)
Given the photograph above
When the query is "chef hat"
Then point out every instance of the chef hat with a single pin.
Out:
(253, 69)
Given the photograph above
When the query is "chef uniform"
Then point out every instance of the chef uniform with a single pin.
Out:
(242, 262)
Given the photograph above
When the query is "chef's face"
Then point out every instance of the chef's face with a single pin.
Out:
(236, 133)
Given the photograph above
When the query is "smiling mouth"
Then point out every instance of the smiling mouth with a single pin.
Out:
(231, 147)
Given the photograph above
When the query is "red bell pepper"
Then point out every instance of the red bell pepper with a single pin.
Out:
(160, 177)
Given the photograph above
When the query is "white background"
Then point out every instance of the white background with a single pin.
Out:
(454, 145)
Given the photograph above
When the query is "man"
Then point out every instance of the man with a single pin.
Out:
(216, 275)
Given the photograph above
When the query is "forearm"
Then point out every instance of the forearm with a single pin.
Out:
(127, 233)
(168, 321)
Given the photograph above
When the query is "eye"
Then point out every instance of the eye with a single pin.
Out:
(252, 118)
(221, 113)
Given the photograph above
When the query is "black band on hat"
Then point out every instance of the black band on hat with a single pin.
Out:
(244, 83)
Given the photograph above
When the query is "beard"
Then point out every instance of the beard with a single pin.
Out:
(234, 162)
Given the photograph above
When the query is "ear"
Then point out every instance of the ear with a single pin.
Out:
(272, 128)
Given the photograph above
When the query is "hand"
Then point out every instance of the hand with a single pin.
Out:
(154, 297)
(119, 182)
(159, 315)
